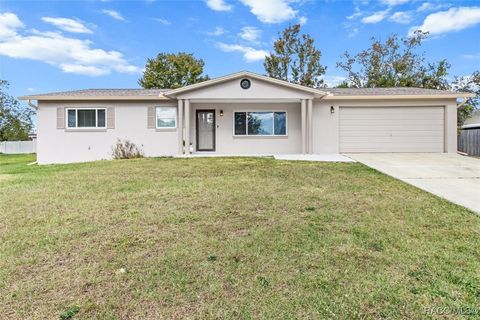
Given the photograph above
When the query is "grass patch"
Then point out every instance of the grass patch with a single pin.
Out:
(228, 238)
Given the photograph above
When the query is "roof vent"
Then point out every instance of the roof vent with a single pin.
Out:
(245, 83)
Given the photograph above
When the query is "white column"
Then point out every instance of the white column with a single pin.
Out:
(187, 126)
(180, 126)
(310, 125)
(304, 125)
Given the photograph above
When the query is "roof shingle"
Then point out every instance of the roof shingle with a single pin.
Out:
(397, 91)
(104, 93)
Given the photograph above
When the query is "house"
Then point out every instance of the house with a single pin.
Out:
(244, 114)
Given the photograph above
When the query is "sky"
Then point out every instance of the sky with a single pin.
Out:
(50, 46)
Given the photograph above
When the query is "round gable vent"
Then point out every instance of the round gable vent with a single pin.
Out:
(245, 83)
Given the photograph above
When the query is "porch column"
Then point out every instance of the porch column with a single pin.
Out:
(310, 125)
(303, 104)
(180, 126)
(187, 126)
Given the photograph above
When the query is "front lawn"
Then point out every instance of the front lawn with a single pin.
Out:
(228, 238)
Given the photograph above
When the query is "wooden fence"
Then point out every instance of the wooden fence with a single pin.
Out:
(469, 141)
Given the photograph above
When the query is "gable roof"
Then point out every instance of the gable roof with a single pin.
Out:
(244, 74)
(392, 93)
(325, 93)
(395, 91)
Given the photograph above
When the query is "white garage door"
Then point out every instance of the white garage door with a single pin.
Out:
(391, 129)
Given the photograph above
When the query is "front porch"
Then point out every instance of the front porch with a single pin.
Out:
(245, 127)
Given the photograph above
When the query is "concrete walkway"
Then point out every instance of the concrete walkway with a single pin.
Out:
(315, 157)
(450, 176)
(294, 157)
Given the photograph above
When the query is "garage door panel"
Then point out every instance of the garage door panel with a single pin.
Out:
(387, 132)
(393, 122)
(391, 129)
(388, 147)
(391, 110)
(394, 139)
(388, 116)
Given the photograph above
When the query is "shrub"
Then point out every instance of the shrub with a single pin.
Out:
(126, 150)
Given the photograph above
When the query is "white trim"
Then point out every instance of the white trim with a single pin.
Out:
(259, 135)
(469, 126)
(246, 74)
(176, 118)
(67, 127)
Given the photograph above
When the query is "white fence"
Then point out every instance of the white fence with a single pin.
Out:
(12, 147)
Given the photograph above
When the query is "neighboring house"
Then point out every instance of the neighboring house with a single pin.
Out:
(244, 114)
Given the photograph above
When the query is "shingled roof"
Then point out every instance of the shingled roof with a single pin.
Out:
(397, 91)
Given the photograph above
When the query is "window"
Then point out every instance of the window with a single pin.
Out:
(265, 123)
(86, 118)
(166, 117)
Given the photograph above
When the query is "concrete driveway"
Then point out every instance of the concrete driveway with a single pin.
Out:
(450, 176)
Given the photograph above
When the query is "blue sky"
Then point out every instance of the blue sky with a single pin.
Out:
(62, 45)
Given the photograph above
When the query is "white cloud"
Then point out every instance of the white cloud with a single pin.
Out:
(375, 17)
(429, 6)
(217, 32)
(68, 54)
(471, 56)
(67, 24)
(163, 21)
(333, 81)
(353, 33)
(249, 54)
(271, 11)
(454, 19)
(9, 22)
(401, 17)
(219, 5)
(394, 2)
(250, 34)
(355, 15)
(114, 14)
(302, 20)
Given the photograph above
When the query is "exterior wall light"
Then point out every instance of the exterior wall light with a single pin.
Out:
(332, 109)
(221, 112)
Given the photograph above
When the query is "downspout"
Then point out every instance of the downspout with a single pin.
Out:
(32, 105)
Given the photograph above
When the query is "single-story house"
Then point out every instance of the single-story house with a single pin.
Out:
(244, 114)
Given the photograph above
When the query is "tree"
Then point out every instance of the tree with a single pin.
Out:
(170, 71)
(15, 119)
(394, 63)
(295, 59)
(467, 84)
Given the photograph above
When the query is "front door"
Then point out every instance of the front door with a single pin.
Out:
(205, 130)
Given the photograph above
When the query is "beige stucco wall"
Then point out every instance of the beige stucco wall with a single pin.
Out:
(326, 124)
(227, 143)
(65, 146)
(258, 90)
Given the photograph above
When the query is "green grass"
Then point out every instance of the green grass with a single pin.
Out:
(228, 238)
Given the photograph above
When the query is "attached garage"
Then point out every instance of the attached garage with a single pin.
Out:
(392, 129)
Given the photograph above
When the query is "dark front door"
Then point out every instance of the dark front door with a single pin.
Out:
(205, 130)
